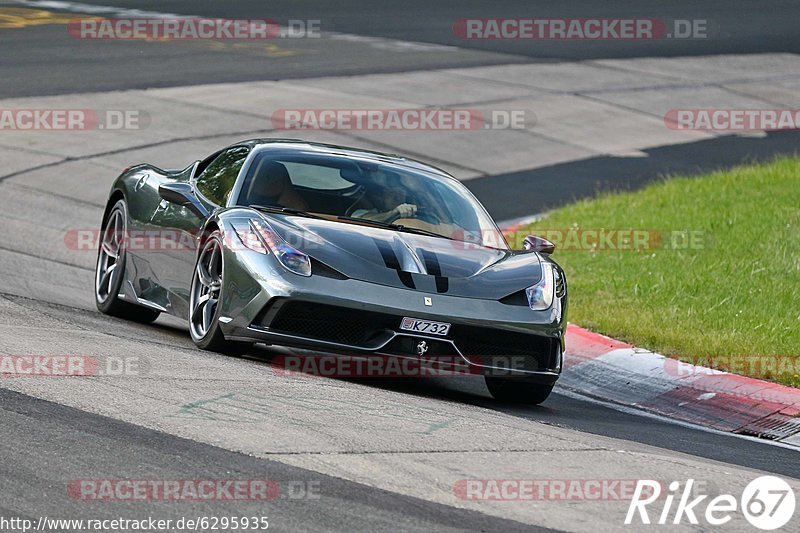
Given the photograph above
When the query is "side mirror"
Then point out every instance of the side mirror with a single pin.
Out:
(193, 170)
(182, 194)
(535, 243)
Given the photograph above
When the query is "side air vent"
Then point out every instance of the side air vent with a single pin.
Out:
(517, 298)
(560, 285)
(318, 268)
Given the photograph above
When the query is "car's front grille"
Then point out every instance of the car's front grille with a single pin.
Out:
(507, 349)
(331, 323)
(354, 327)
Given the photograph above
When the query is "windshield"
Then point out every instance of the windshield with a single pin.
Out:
(377, 192)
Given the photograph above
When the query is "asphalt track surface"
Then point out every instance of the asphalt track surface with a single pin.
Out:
(556, 185)
(46, 60)
(97, 440)
(45, 444)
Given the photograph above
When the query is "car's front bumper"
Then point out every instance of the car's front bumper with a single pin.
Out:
(262, 302)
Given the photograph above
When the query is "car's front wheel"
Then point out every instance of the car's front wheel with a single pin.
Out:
(512, 390)
(206, 295)
(110, 269)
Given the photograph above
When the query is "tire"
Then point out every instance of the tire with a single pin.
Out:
(518, 391)
(110, 270)
(205, 295)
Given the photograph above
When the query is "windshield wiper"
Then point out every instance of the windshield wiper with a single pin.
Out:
(396, 227)
(285, 210)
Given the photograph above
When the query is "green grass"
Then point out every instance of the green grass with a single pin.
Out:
(737, 294)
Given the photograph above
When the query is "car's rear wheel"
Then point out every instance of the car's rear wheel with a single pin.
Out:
(206, 295)
(511, 390)
(110, 269)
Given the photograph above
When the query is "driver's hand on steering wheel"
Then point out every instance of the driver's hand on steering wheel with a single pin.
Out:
(405, 210)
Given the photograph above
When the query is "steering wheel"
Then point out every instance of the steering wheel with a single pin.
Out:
(356, 198)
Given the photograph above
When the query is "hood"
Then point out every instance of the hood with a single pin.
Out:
(406, 260)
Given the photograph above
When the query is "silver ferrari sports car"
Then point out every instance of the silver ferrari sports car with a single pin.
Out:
(338, 250)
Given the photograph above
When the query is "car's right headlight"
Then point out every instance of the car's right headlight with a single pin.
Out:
(258, 235)
(540, 296)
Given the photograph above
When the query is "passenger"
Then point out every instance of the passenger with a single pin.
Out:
(272, 187)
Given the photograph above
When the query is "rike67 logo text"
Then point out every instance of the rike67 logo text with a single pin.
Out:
(767, 503)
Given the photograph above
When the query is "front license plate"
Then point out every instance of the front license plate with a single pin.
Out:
(424, 326)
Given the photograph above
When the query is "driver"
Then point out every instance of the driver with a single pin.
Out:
(385, 199)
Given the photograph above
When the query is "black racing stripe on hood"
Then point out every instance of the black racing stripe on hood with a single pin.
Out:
(442, 284)
(407, 279)
(387, 253)
(433, 268)
(432, 265)
(391, 261)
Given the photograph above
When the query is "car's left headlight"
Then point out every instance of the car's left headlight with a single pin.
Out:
(540, 296)
(258, 235)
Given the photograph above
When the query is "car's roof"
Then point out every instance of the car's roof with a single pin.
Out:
(346, 151)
